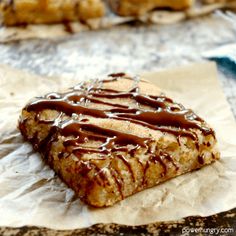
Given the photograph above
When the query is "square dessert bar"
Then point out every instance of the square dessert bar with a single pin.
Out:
(17, 12)
(110, 138)
(140, 7)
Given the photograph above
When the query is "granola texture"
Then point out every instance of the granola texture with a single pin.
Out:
(140, 7)
(18, 12)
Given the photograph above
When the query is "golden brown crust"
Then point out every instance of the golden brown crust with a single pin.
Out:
(216, 1)
(49, 11)
(140, 7)
(105, 159)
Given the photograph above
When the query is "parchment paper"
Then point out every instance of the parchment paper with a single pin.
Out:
(30, 193)
(8, 34)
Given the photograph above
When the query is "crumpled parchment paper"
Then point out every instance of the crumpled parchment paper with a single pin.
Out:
(31, 194)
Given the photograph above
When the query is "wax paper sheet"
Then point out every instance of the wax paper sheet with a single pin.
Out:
(54, 31)
(31, 194)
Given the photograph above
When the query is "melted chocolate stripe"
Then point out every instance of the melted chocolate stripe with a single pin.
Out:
(113, 137)
(149, 119)
(163, 129)
(101, 177)
(169, 158)
(157, 159)
(79, 98)
(127, 163)
(103, 90)
(65, 107)
(118, 181)
(165, 116)
(115, 75)
(176, 120)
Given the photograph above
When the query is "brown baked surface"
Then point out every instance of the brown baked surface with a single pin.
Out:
(18, 12)
(140, 7)
(217, 1)
(111, 138)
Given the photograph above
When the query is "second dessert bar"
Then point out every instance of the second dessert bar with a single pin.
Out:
(140, 7)
(17, 12)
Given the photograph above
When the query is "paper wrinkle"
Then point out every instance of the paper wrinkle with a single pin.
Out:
(31, 194)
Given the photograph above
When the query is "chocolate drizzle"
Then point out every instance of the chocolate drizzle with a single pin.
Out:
(155, 112)
(112, 140)
(201, 159)
(166, 116)
(67, 27)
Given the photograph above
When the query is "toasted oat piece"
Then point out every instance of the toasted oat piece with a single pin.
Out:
(140, 7)
(18, 12)
(111, 138)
